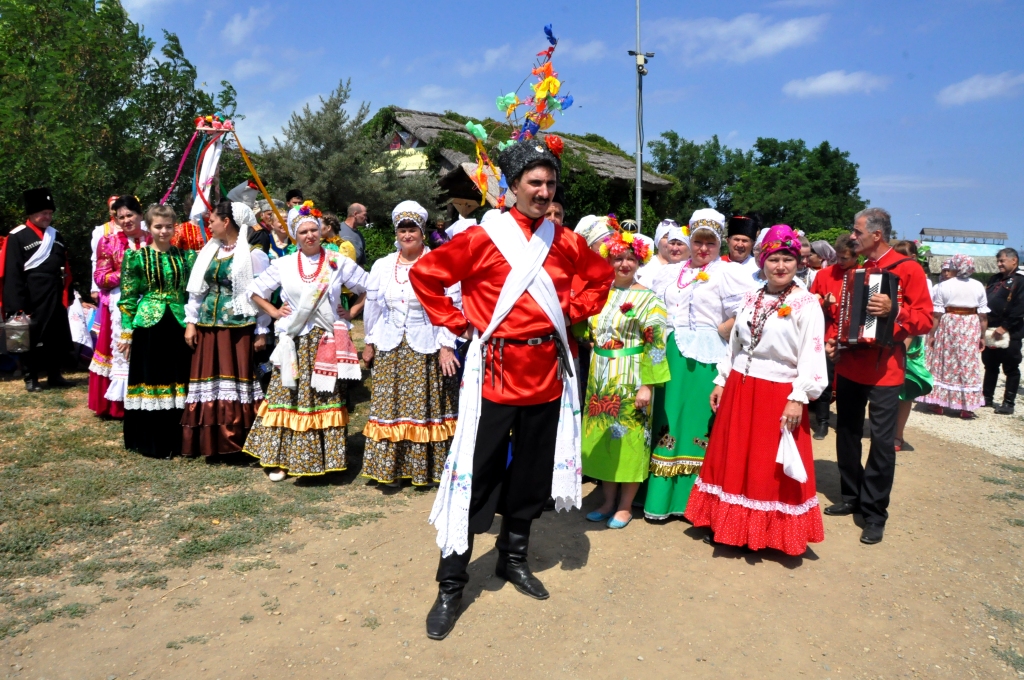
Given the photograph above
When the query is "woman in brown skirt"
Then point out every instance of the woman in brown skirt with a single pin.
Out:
(414, 407)
(221, 321)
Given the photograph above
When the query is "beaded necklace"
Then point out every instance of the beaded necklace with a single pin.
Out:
(762, 312)
(319, 267)
(397, 260)
(701, 275)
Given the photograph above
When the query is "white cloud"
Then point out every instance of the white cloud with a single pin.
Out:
(591, 51)
(835, 82)
(747, 37)
(239, 28)
(908, 183)
(980, 87)
(492, 58)
(247, 68)
(438, 99)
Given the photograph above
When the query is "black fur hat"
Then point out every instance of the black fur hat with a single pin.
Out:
(744, 225)
(560, 197)
(515, 158)
(38, 200)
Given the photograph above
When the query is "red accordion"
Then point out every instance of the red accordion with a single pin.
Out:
(857, 328)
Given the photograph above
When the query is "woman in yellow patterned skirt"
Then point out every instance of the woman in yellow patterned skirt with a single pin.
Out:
(413, 408)
(301, 426)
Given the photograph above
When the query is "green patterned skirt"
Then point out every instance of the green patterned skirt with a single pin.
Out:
(682, 413)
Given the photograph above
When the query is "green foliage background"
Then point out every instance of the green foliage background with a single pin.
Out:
(88, 109)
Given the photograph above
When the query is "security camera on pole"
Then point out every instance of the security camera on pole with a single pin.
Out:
(641, 71)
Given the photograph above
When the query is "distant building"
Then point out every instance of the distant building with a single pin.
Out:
(417, 129)
(980, 245)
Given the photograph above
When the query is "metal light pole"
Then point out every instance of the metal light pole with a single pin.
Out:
(641, 71)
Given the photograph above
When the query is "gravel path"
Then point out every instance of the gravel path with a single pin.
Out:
(999, 435)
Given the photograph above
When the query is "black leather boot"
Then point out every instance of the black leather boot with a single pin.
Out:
(452, 577)
(32, 384)
(513, 543)
(820, 430)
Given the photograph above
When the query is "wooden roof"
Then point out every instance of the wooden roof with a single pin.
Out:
(426, 126)
(964, 234)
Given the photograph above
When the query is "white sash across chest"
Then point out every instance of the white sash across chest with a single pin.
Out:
(450, 514)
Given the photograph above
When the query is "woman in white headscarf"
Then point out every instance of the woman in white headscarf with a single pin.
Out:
(414, 406)
(220, 326)
(701, 296)
(673, 245)
(301, 428)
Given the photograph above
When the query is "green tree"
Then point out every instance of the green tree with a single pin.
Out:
(336, 161)
(86, 109)
(812, 190)
(705, 173)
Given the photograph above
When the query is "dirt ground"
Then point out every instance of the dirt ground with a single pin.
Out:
(934, 600)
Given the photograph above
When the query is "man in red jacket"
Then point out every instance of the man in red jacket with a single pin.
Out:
(875, 375)
(525, 365)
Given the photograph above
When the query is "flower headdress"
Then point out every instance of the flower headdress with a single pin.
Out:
(306, 212)
(780, 238)
(539, 116)
(619, 241)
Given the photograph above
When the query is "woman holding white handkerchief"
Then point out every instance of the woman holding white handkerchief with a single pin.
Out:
(756, 488)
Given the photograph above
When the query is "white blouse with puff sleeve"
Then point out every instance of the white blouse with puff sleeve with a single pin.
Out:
(791, 348)
(392, 310)
(697, 305)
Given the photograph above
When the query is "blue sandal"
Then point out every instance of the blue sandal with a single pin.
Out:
(597, 516)
(616, 524)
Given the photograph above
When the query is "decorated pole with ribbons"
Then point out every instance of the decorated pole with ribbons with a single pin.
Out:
(210, 131)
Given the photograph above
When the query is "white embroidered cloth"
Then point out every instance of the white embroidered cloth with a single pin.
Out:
(450, 514)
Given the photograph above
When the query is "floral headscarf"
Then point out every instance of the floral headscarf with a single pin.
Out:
(963, 265)
(780, 238)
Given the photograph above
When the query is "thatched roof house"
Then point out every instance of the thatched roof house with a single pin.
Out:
(420, 130)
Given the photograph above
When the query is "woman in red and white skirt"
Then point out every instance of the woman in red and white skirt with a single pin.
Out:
(776, 364)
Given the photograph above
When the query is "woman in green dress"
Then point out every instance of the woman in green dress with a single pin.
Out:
(152, 338)
(628, 361)
(701, 296)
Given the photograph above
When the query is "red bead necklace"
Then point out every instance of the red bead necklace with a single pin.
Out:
(319, 267)
(397, 260)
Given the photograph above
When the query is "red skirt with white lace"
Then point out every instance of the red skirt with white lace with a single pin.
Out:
(742, 493)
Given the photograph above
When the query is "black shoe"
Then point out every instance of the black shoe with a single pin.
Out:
(988, 403)
(549, 505)
(821, 430)
(443, 615)
(452, 577)
(513, 543)
(1005, 409)
(59, 382)
(841, 509)
(32, 385)
(872, 534)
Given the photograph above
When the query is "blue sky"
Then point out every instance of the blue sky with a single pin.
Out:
(926, 96)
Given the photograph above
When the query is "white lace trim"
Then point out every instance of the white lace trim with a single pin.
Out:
(703, 344)
(99, 368)
(223, 390)
(764, 506)
(154, 403)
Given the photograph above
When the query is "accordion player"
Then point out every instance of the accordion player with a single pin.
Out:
(858, 328)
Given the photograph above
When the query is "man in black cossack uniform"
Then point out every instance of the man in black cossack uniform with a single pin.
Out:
(35, 276)
(1006, 318)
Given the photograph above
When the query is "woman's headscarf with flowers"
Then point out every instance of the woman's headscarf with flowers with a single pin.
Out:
(619, 241)
(306, 212)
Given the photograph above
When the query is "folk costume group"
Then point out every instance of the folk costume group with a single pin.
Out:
(694, 403)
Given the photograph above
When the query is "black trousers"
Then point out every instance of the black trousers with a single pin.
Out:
(516, 489)
(820, 406)
(866, 486)
(51, 344)
(1009, 360)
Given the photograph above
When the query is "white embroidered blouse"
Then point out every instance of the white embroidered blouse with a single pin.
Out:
(283, 273)
(698, 300)
(392, 310)
(791, 348)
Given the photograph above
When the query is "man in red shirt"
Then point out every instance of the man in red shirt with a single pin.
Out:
(875, 375)
(522, 383)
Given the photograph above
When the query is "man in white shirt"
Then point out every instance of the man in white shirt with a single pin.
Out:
(742, 230)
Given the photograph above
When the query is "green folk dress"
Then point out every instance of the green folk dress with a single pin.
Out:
(629, 351)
